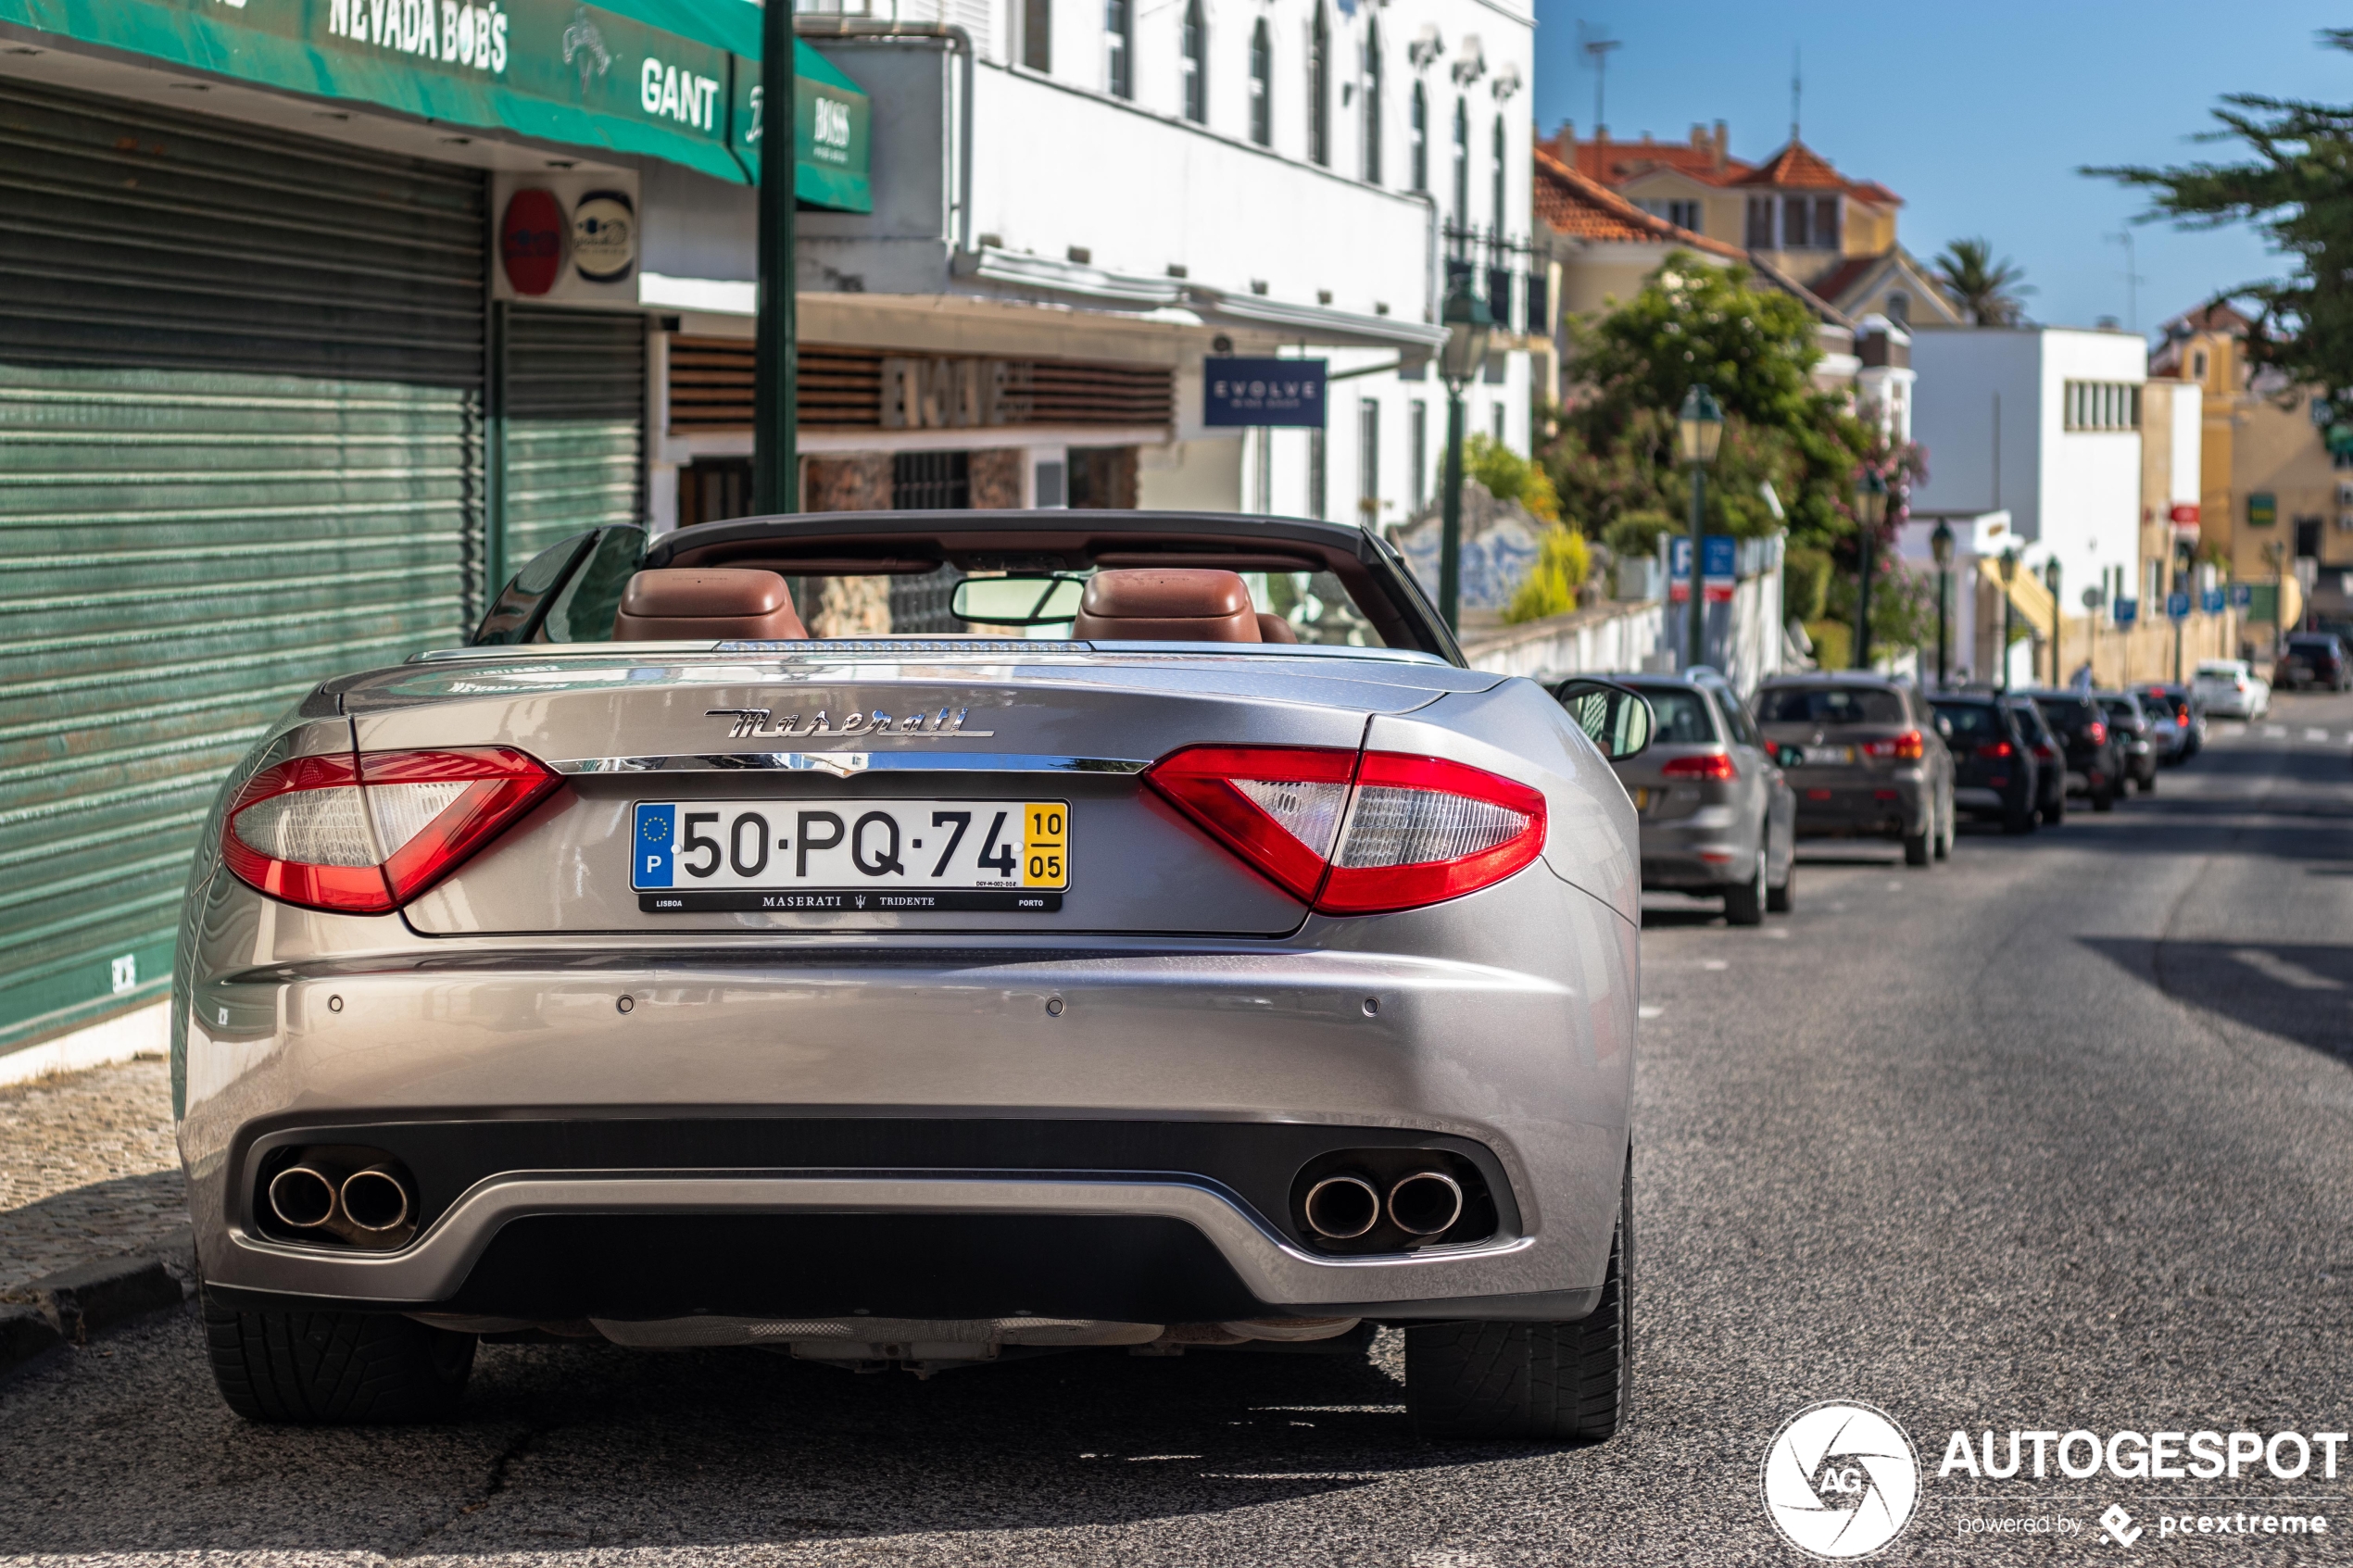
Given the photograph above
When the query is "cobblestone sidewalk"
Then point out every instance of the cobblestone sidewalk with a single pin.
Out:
(88, 1169)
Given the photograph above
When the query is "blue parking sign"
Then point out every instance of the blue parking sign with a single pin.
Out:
(2178, 605)
(2241, 595)
(2126, 610)
(2210, 601)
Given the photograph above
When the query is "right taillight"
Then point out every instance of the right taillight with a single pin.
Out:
(1715, 765)
(1995, 750)
(2096, 732)
(1357, 834)
(366, 834)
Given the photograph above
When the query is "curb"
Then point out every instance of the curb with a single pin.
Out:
(79, 1304)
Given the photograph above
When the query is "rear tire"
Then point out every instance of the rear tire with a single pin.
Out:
(2017, 823)
(2056, 813)
(1746, 906)
(2148, 786)
(2104, 799)
(1782, 899)
(331, 1369)
(1915, 850)
(1548, 1382)
(1945, 839)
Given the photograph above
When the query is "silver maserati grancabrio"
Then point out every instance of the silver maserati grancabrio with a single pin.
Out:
(1169, 944)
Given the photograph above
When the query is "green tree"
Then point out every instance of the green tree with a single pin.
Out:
(1615, 457)
(1510, 477)
(2296, 190)
(1989, 292)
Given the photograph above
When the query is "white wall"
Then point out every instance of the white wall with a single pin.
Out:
(2185, 478)
(2089, 512)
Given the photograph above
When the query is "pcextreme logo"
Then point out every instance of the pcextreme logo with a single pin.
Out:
(1841, 1480)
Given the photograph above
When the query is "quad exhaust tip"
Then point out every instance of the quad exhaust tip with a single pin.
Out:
(302, 1196)
(1342, 1208)
(1426, 1203)
(375, 1200)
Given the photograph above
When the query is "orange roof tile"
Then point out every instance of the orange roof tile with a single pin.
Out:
(1578, 206)
(1613, 163)
(1796, 166)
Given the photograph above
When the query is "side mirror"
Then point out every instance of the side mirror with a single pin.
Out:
(1945, 726)
(1788, 756)
(1616, 718)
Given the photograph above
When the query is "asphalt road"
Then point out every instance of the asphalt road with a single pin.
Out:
(2056, 1136)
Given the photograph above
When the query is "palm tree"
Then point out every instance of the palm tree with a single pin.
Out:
(1990, 291)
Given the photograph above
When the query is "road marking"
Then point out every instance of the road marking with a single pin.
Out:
(2233, 731)
(2274, 732)
(1896, 887)
(2316, 735)
(1777, 933)
(2286, 970)
(1647, 1010)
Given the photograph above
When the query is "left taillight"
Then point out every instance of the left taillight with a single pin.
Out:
(366, 834)
(1909, 746)
(1356, 835)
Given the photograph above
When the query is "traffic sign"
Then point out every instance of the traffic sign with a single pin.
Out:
(2178, 605)
(2241, 595)
(2127, 610)
(2210, 601)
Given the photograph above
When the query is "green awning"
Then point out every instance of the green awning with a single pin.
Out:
(677, 80)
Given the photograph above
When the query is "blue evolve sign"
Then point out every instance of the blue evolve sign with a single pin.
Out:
(1263, 392)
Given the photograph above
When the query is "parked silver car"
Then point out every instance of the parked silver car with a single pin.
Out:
(1719, 818)
(1228, 964)
(1871, 760)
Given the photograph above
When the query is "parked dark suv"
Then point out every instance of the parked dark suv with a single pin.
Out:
(1994, 778)
(1870, 762)
(2312, 659)
(2095, 762)
(2135, 737)
(2050, 758)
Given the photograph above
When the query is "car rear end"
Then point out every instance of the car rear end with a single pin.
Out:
(1688, 792)
(2167, 711)
(2129, 729)
(915, 1003)
(2227, 688)
(1863, 772)
(2310, 661)
(1993, 774)
(2094, 765)
(2049, 752)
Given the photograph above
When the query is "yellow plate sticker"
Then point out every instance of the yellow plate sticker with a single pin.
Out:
(1642, 799)
(1045, 843)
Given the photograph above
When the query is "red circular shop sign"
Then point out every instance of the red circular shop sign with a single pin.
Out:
(531, 241)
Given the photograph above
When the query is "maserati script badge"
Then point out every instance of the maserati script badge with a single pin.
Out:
(760, 723)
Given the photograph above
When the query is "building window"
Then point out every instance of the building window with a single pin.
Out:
(2102, 405)
(1319, 92)
(1760, 223)
(2197, 366)
(1899, 308)
(1826, 223)
(1420, 149)
(1497, 196)
(1262, 85)
(1316, 485)
(1118, 43)
(1462, 166)
(1038, 35)
(1372, 101)
(1368, 459)
(1797, 233)
(1417, 454)
(1682, 214)
(1196, 64)
(1497, 413)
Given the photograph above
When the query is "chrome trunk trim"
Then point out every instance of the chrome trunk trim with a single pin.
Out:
(843, 764)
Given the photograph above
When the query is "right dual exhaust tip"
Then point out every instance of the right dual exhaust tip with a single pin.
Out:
(368, 1206)
(1419, 1203)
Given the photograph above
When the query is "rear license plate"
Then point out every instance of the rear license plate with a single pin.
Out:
(1817, 756)
(876, 857)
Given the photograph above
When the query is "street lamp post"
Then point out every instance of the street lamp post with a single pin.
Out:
(775, 391)
(1871, 511)
(1699, 429)
(2058, 621)
(1470, 333)
(1939, 544)
(2278, 552)
(2009, 581)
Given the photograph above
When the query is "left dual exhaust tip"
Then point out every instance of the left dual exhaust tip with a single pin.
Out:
(372, 1206)
(1420, 1203)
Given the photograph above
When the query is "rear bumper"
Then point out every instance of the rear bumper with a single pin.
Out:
(1706, 851)
(912, 1133)
(1890, 806)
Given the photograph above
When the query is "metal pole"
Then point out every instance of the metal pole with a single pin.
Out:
(1450, 537)
(494, 459)
(1863, 605)
(1697, 603)
(2004, 655)
(776, 460)
(1944, 621)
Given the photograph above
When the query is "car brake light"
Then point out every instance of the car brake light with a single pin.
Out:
(1356, 835)
(366, 834)
(1909, 746)
(2096, 732)
(1994, 749)
(2045, 752)
(1715, 765)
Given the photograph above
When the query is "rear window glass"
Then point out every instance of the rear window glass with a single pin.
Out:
(2068, 716)
(1829, 704)
(1974, 720)
(1682, 716)
(2122, 707)
(2312, 645)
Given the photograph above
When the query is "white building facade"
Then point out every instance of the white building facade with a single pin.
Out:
(1112, 194)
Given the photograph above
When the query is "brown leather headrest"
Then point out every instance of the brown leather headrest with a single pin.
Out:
(682, 604)
(1273, 628)
(1166, 604)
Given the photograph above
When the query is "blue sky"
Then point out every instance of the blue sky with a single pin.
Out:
(1976, 115)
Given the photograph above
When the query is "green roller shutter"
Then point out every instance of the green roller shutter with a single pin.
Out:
(241, 450)
(575, 418)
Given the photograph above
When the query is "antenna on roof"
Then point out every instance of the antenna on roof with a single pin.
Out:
(1597, 45)
(1797, 88)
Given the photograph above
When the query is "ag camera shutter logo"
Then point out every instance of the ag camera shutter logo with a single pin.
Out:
(1841, 1480)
